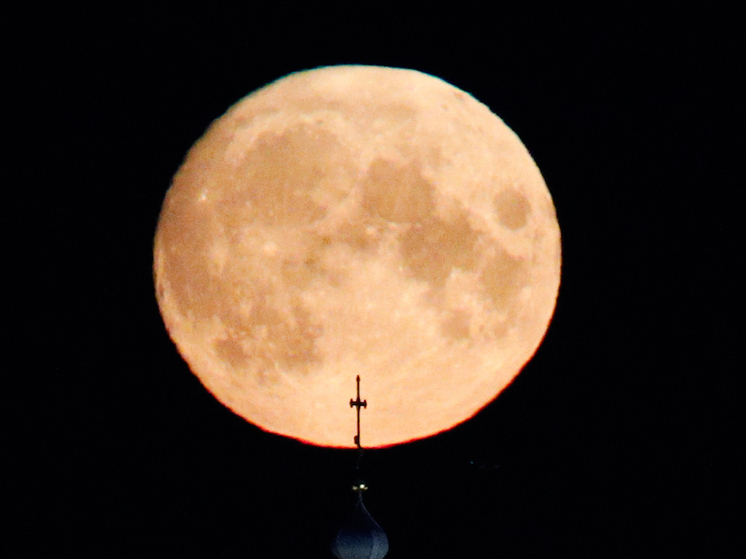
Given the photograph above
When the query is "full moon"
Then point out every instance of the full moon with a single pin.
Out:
(357, 220)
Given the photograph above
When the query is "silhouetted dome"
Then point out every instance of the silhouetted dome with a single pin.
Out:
(360, 537)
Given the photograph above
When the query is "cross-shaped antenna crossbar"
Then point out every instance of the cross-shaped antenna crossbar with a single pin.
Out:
(359, 404)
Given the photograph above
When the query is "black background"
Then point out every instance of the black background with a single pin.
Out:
(617, 440)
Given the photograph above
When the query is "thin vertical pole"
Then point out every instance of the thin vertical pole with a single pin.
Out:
(358, 404)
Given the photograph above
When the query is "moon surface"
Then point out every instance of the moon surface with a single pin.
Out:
(357, 220)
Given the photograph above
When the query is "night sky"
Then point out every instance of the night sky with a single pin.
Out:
(619, 438)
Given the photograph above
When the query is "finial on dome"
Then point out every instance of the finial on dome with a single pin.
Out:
(360, 537)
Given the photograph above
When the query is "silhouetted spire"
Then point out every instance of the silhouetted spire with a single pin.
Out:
(358, 404)
(360, 537)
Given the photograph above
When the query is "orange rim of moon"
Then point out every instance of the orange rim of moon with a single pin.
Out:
(357, 220)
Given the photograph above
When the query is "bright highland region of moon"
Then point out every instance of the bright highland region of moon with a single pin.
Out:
(357, 220)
